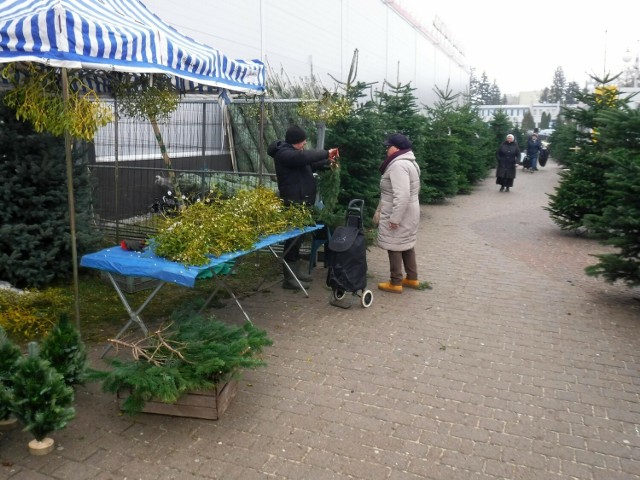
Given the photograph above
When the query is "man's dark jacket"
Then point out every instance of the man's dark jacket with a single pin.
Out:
(294, 169)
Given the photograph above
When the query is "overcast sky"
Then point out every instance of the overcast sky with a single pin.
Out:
(521, 44)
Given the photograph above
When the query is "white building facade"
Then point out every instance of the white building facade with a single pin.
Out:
(516, 113)
(301, 38)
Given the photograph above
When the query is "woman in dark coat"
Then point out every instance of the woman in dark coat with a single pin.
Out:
(508, 156)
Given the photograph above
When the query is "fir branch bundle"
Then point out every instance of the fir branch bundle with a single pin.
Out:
(193, 353)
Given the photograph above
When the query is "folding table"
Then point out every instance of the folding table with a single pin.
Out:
(115, 260)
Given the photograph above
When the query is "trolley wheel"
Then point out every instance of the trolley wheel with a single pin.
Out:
(367, 298)
(338, 294)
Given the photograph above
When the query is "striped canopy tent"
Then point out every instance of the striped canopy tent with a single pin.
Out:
(115, 36)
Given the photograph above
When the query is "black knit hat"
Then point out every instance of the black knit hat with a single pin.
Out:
(295, 135)
(399, 141)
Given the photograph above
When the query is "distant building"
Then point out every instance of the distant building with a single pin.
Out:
(303, 38)
(516, 113)
(529, 98)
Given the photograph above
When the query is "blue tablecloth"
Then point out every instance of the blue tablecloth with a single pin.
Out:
(147, 264)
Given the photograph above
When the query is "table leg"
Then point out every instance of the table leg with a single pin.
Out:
(134, 315)
(220, 283)
(286, 265)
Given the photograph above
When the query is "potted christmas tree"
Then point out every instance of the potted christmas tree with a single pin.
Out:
(63, 348)
(185, 368)
(41, 399)
(9, 355)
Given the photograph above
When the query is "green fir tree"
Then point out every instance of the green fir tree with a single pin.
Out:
(41, 399)
(528, 123)
(440, 177)
(583, 188)
(557, 92)
(475, 148)
(9, 355)
(35, 243)
(359, 137)
(6, 401)
(619, 223)
(64, 349)
(501, 126)
(399, 114)
(563, 143)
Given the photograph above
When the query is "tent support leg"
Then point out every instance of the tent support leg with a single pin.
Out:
(72, 202)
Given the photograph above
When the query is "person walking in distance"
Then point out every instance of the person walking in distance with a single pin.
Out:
(398, 213)
(296, 184)
(534, 147)
(507, 156)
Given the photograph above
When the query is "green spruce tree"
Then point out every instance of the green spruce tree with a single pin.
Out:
(6, 400)
(495, 95)
(475, 147)
(359, 137)
(557, 92)
(442, 152)
(544, 96)
(474, 90)
(41, 399)
(9, 355)
(528, 123)
(563, 143)
(35, 244)
(64, 349)
(484, 91)
(619, 223)
(501, 126)
(399, 113)
(571, 93)
(545, 120)
(582, 189)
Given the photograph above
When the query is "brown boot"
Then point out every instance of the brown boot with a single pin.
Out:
(390, 287)
(411, 283)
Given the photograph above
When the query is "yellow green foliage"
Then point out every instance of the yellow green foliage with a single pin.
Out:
(145, 96)
(32, 314)
(37, 97)
(330, 109)
(219, 225)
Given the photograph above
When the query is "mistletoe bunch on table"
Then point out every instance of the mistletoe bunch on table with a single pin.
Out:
(220, 225)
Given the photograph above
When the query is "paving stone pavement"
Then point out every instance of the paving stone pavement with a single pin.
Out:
(515, 365)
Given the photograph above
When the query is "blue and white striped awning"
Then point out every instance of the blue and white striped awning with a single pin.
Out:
(116, 35)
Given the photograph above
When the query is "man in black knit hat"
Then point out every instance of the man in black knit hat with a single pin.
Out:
(296, 184)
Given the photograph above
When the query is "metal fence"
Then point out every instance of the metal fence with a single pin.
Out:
(208, 145)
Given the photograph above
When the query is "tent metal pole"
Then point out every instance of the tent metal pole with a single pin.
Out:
(72, 203)
(261, 142)
(116, 166)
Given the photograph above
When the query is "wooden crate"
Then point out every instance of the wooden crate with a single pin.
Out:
(206, 404)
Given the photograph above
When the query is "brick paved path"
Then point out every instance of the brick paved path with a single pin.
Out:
(514, 366)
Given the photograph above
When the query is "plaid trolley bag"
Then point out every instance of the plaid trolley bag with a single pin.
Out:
(346, 260)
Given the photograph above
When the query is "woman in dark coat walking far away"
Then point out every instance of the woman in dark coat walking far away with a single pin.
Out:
(508, 156)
